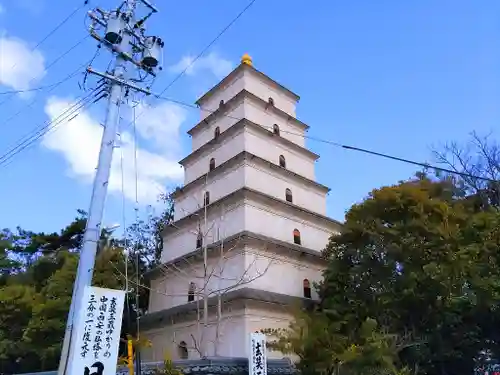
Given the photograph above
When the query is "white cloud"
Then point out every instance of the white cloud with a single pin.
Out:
(20, 67)
(2, 9)
(212, 63)
(79, 140)
(152, 125)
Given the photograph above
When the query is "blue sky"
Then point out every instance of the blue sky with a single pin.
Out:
(395, 77)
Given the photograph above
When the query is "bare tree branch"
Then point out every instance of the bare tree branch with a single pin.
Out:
(211, 274)
(478, 164)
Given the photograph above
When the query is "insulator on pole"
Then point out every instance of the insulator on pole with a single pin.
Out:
(152, 52)
(114, 28)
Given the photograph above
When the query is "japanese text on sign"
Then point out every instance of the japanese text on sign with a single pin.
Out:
(98, 332)
(257, 361)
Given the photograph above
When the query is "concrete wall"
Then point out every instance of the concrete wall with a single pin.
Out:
(259, 87)
(256, 176)
(253, 83)
(263, 147)
(252, 110)
(240, 267)
(255, 143)
(252, 216)
(284, 275)
(171, 289)
(225, 92)
(234, 332)
(267, 118)
(221, 153)
(183, 240)
(274, 223)
(206, 133)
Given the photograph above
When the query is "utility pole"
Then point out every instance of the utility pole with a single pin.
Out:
(120, 32)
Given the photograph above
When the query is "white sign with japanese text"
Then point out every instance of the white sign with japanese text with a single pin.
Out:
(257, 361)
(95, 351)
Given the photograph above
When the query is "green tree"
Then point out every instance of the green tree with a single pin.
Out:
(44, 277)
(145, 236)
(46, 328)
(17, 303)
(37, 271)
(8, 264)
(418, 258)
(325, 348)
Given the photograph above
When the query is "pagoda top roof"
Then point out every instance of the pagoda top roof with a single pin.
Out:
(247, 66)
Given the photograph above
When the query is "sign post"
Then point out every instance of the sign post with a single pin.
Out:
(95, 351)
(257, 360)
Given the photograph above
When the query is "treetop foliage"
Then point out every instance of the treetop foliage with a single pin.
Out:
(37, 271)
(413, 281)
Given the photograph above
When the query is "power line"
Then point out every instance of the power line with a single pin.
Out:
(39, 88)
(52, 87)
(55, 61)
(48, 126)
(54, 30)
(340, 145)
(207, 47)
(67, 115)
(57, 27)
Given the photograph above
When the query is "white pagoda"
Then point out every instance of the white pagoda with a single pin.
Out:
(250, 223)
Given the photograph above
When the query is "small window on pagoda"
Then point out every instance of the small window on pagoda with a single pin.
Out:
(270, 101)
(276, 129)
(221, 104)
(191, 289)
(288, 195)
(183, 350)
(216, 132)
(212, 164)
(307, 288)
(296, 237)
(206, 199)
(199, 240)
(282, 161)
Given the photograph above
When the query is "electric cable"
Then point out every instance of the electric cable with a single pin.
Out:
(207, 47)
(204, 50)
(69, 114)
(38, 126)
(57, 27)
(136, 209)
(50, 33)
(57, 59)
(125, 239)
(60, 24)
(39, 88)
(7, 161)
(52, 88)
(340, 145)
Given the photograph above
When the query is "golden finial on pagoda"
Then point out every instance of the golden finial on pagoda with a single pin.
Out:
(246, 59)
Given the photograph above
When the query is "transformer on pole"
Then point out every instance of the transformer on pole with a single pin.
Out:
(125, 37)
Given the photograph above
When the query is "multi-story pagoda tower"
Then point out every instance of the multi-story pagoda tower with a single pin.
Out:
(250, 222)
